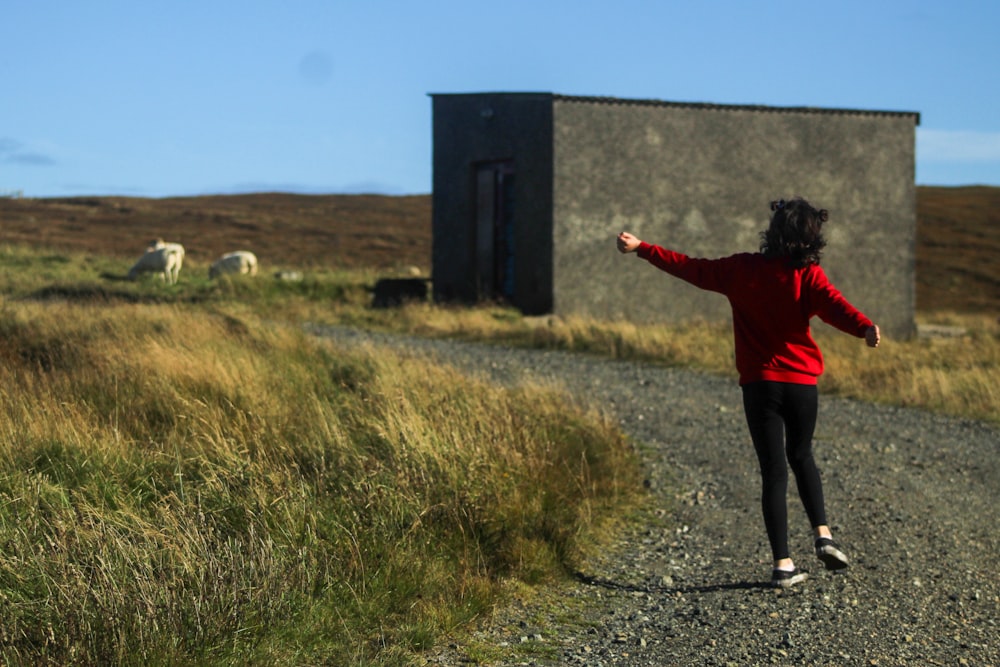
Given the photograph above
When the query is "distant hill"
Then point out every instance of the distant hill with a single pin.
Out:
(284, 230)
(958, 249)
(958, 233)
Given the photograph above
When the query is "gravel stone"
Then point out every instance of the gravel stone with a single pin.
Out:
(912, 498)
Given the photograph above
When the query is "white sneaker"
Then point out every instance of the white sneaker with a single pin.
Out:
(831, 555)
(786, 578)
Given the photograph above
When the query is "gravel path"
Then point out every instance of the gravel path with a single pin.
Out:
(912, 498)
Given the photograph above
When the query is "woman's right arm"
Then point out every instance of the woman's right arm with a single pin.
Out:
(832, 307)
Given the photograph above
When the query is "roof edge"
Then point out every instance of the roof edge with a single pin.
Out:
(731, 107)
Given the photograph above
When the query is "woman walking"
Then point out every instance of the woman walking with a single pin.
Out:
(774, 294)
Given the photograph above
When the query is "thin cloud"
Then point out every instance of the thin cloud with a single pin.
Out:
(72, 189)
(12, 152)
(30, 160)
(360, 187)
(957, 146)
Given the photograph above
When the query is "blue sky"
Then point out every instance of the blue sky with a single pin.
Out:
(159, 98)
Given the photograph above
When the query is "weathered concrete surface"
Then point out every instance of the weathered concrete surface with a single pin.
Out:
(696, 178)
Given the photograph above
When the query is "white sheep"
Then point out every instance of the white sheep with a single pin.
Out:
(240, 261)
(165, 261)
(156, 244)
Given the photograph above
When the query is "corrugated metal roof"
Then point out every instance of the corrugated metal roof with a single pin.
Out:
(731, 107)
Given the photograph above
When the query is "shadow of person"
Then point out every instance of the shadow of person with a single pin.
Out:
(671, 590)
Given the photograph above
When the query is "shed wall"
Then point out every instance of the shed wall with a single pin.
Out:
(698, 180)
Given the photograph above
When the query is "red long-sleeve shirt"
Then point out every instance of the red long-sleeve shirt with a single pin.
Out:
(772, 305)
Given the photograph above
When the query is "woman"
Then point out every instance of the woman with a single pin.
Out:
(774, 294)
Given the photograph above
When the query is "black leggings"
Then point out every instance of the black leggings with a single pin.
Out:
(782, 418)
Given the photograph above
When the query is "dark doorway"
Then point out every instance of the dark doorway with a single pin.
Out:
(495, 230)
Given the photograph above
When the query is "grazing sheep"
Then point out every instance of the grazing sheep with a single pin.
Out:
(240, 261)
(165, 261)
(156, 244)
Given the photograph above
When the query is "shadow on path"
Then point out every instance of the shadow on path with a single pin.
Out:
(636, 588)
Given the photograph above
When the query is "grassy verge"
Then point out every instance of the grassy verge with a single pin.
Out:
(189, 484)
(955, 375)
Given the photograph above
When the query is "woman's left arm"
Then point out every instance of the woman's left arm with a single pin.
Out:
(628, 242)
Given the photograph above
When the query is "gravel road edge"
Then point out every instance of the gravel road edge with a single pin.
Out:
(912, 497)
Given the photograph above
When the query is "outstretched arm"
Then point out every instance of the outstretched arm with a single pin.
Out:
(707, 274)
(628, 243)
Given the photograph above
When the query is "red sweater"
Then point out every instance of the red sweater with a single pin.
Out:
(772, 305)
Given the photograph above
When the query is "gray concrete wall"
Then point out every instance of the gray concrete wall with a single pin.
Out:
(698, 179)
(473, 128)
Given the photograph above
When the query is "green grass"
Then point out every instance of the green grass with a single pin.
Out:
(187, 482)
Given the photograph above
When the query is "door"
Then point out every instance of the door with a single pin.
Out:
(495, 230)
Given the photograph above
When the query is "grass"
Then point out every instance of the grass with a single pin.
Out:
(956, 375)
(186, 477)
(187, 482)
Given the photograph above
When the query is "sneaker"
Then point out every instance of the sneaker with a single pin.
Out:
(831, 555)
(787, 578)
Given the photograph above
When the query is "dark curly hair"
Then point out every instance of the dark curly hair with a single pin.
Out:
(795, 232)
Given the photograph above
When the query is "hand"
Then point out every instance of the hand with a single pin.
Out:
(627, 243)
(873, 336)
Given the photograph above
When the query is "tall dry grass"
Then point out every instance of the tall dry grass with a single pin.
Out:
(957, 374)
(183, 484)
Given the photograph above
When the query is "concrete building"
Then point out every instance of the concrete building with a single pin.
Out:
(530, 190)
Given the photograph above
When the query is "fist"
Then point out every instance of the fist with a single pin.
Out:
(873, 336)
(627, 242)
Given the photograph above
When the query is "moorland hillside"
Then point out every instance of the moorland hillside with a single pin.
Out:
(957, 245)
